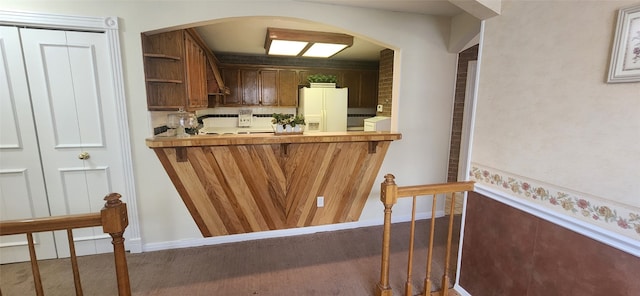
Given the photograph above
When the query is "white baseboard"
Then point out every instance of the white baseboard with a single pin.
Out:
(133, 245)
(461, 290)
(206, 241)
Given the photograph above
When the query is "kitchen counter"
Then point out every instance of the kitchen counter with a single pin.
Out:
(270, 138)
(240, 183)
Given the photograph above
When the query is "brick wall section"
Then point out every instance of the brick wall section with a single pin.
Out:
(385, 84)
(470, 54)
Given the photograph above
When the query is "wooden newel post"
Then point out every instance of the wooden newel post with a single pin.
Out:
(388, 196)
(114, 222)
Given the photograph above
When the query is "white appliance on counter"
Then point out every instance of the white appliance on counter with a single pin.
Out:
(245, 117)
(324, 109)
(378, 123)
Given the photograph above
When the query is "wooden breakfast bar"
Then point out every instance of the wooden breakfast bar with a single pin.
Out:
(255, 182)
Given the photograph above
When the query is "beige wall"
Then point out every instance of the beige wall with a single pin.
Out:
(422, 95)
(546, 117)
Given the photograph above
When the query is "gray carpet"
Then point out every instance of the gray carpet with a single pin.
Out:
(345, 262)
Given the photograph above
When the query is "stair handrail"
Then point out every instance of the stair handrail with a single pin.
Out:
(113, 219)
(389, 194)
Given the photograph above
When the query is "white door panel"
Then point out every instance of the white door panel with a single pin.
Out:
(17, 201)
(100, 182)
(72, 93)
(22, 188)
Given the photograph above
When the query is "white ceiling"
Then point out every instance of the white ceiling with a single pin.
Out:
(246, 35)
(431, 7)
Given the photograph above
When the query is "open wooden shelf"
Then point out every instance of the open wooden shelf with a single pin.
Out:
(158, 80)
(162, 56)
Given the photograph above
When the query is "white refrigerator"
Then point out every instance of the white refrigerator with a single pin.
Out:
(324, 109)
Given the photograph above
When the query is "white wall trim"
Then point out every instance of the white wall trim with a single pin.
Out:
(602, 235)
(460, 290)
(470, 113)
(48, 20)
(108, 25)
(207, 241)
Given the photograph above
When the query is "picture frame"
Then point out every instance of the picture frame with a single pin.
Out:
(625, 55)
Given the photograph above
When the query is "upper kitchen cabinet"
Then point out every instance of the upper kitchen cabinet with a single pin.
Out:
(362, 84)
(175, 71)
(363, 88)
(255, 86)
(279, 87)
(288, 88)
(268, 87)
(243, 84)
(250, 81)
(231, 76)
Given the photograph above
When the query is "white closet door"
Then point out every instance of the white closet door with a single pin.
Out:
(22, 188)
(73, 97)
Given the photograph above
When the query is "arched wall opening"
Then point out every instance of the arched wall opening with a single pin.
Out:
(240, 41)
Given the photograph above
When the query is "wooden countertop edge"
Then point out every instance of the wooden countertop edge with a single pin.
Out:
(261, 139)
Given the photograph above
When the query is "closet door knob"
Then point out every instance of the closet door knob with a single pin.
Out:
(84, 155)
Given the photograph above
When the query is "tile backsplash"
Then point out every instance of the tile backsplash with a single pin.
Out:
(228, 116)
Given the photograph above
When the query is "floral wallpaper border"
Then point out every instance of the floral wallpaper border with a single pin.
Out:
(590, 209)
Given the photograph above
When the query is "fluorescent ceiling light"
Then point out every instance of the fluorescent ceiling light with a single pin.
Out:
(323, 50)
(305, 43)
(285, 47)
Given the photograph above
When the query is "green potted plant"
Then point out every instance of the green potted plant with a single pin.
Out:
(322, 80)
(288, 123)
(298, 120)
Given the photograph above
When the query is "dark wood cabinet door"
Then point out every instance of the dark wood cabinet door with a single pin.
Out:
(196, 75)
(351, 80)
(368, 89)
(231, 78)
(287, 88)
(249, 86)
(363, 88)
(269, 87)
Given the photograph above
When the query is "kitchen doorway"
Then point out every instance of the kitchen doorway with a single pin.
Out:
(460, 128)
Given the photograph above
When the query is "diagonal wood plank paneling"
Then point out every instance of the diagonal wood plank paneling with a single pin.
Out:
(245, 188)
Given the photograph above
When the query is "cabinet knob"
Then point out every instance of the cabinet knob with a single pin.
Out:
(84, 155)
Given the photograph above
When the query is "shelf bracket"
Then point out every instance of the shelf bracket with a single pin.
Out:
(373, 145)
(181, 154)
(283, 148)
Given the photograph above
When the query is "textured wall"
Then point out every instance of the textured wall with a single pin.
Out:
(545, 114)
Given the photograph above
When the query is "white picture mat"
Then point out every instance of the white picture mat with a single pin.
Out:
(625, 56)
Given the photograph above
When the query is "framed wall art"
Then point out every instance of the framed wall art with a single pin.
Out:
(625, 55)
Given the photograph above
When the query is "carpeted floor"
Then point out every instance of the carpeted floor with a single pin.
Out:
(345, 262)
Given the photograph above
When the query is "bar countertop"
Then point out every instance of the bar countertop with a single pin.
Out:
(270, 138)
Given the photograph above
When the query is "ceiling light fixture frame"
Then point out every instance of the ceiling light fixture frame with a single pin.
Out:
(310, 37)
